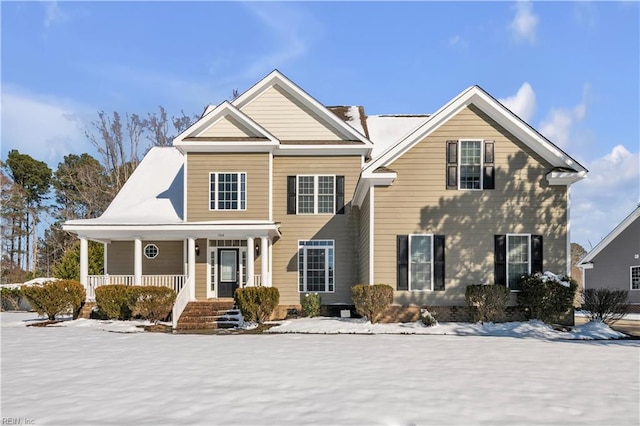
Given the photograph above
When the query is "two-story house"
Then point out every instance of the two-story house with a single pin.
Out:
(275, 189)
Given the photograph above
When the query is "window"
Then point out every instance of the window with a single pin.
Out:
(470, 164)
(420, 262)
(316, 266)
(635, 278)
(518, 258)
(316, 194)
(227, 191)
(151, 251)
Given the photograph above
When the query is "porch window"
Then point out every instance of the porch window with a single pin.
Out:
(151, 251)
(316, 194)
(635, 278)
(227, 191)
(316, 266)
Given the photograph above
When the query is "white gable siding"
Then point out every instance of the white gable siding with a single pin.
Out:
(287, 118)
(227, 127)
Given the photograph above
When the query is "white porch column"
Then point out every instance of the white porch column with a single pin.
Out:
(264, 264)
(84, 261)
(105, 259)
(137, 261)
(251, 251)
(191, 266)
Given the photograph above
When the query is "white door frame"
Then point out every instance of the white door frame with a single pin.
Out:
(213, 293)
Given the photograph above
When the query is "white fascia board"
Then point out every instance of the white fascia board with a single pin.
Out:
(235, 146)
(321, 150)
(478, 97)
(564, 178)
(362, 189)
(276, 77)
(585, 265)
(635, 214)
(368, 180)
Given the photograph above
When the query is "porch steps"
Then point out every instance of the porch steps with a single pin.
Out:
(87, 308)
(209, 315)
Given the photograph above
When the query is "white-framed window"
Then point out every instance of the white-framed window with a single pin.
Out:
(151, 251)
(420, 262)
(227, 191)
(635, 277)
(316, 194)
(470, 165)
(518, 258)
(316, 271)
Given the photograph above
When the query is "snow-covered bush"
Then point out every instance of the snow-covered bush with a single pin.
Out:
(256, 303)
(371, 300)
(55, 297)
(606, 305)
(116, 301)
(428, 318)
(487, 302)
(311, 304)
(547, 297)
(153, 303)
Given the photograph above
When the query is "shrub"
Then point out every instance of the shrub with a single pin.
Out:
(371, 300)
(153, 303)
(55, 297)
(256, 303)
(11, 298)
(487, 302)
(546, 297)
(68, 267)
(311, 304)
(606, 305)
(116, 301)
(428, 318)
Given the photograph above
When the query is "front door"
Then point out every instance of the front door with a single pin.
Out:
(227, 272)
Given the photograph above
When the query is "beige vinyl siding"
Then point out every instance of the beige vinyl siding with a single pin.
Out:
(418, 202)
(170, 260)
(199, 165)
(227, 127)
(201, 270)
(363, 249)
(287, 118)
(340, 228)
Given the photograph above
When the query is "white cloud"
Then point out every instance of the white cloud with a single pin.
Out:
(53, 14)
(45, 128)
(584, 13)
(524, 23)
(608, 194)
(558, 124)
(458, 41)
(523, 103)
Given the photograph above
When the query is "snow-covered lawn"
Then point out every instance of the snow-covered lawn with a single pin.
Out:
(81, 374)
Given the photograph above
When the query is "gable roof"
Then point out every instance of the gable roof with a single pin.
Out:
(277, 78)
(512, 123)
(190, 139)
(633, 216)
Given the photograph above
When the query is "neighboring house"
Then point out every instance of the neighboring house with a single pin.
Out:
(275, 189)
(614, 263)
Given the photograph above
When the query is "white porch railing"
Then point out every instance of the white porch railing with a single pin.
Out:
(257, 280)
(182, 300)
(176, 282)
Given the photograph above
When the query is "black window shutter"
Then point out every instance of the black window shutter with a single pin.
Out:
(488, 181)
(339, 194)
(403, 262)
(291, 195)
(438, 262)
(536, 254)
(452, 165)
(500, 259)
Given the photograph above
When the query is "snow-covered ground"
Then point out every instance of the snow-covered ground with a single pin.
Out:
(79, 374)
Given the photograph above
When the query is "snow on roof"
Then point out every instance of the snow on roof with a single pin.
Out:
(386, 130)
(154, 194)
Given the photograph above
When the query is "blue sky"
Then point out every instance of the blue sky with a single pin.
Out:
(572, 70)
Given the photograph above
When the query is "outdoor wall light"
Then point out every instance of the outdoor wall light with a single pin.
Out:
(197, 250)
(257, 250)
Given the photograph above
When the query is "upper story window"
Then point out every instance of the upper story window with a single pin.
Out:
(635, 277)
(470, 164)
(227, 191)
(315, 194)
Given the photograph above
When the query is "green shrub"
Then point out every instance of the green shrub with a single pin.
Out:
(256, 303)
(11, 298)
(428, 318)
(606, 305)
(68, 267)
(116, 301)
(55, 297)
(153, 303)
(371, 300)
(544, 297)
(311, 304)
(487, 302)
